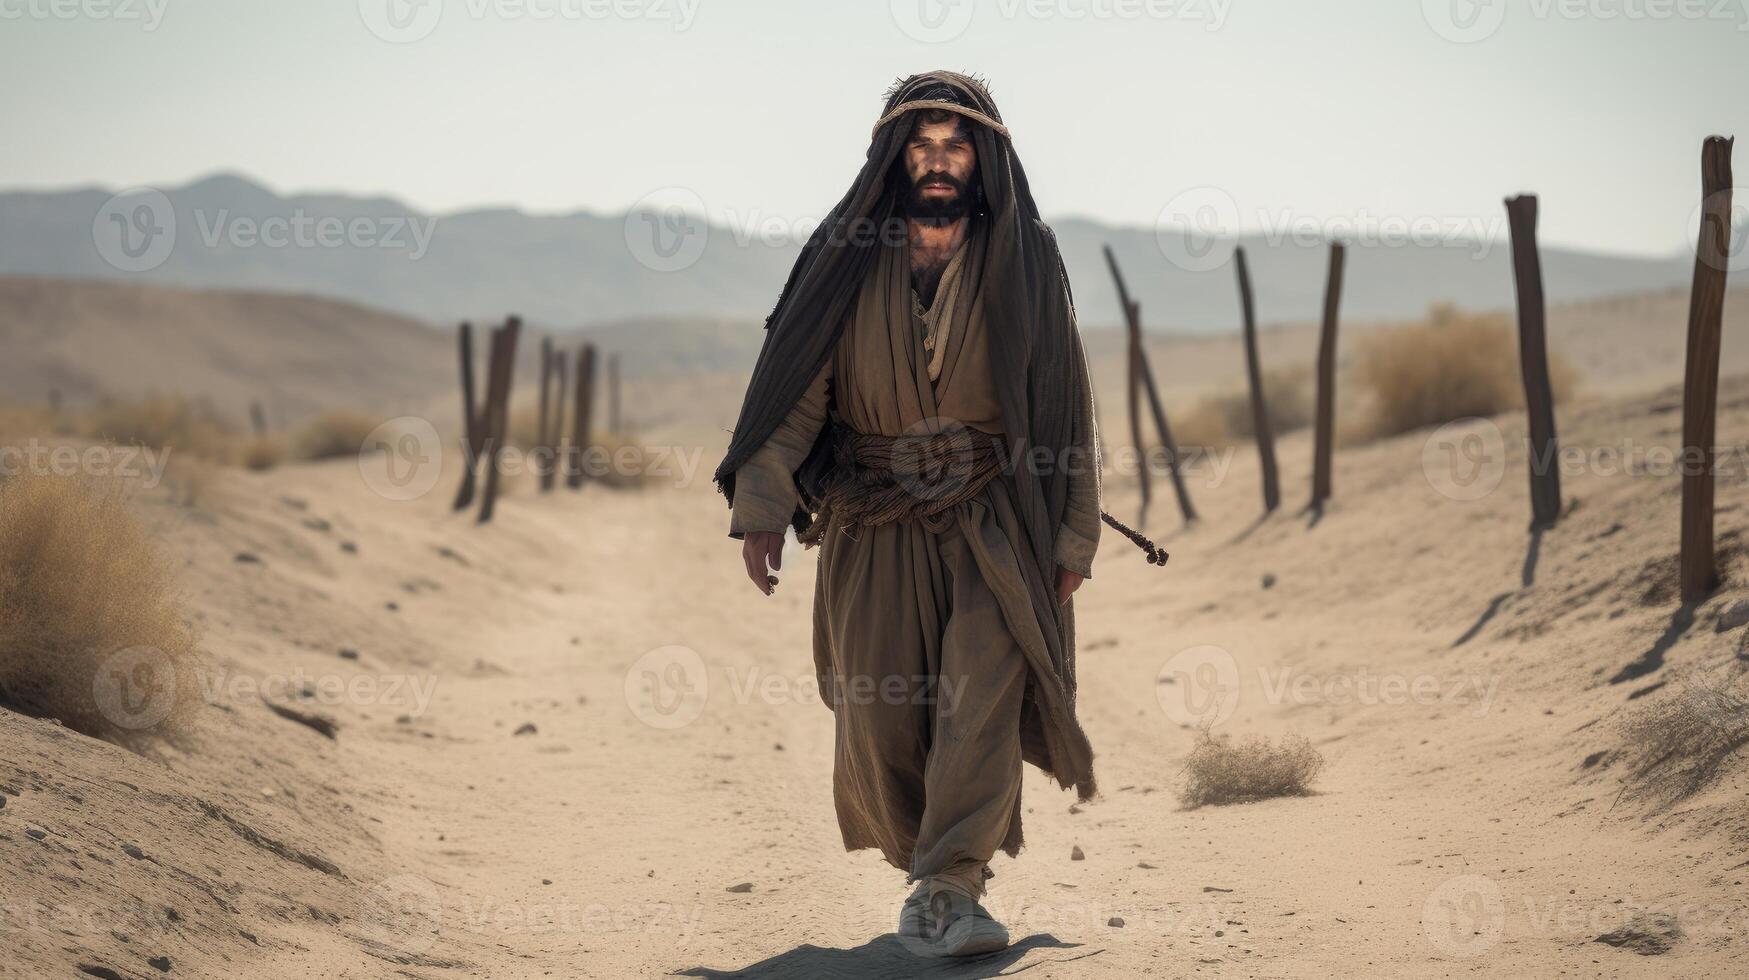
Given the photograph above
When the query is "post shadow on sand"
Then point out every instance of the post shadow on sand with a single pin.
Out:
(886, 958)
(1526, 578)
(1652, 659)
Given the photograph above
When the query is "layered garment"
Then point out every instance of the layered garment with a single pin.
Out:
(929, 644)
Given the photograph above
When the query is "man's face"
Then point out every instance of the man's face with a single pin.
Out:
(940, 161)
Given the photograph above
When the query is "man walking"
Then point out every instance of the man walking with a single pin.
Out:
(921, 410)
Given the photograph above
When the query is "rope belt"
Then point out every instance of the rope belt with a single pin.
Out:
(922, 477)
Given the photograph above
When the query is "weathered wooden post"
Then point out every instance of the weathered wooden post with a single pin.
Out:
(1533, 360)
(613, 416)
(580, 415)
(1259, 405)
(1324, 431)
(560, 443)
(1142, 373)
(542, 445)
(497, 421)
(470, 420)
(1700, 386)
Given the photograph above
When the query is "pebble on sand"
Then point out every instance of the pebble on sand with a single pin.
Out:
(1076, 854)
(1115, 922)
(526, 728)
(741, 889)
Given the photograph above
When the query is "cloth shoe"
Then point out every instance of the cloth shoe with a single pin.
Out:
(964, 928)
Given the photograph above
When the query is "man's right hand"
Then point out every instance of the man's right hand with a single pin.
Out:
(758, 548)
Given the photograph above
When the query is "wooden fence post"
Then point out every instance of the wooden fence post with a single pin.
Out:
(1141, 373)
(1700, 386)
(613, 416)
(560, 443)
(497, 421)
(1264, 432)
(1533, 359)
(1324, 432)
(580, 415)
(542, 448)
(470, 420)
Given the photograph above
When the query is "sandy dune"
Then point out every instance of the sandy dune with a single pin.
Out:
(667, 808)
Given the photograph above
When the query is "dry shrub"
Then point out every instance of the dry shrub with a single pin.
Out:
(1454, 366)
(1221, 771)
(262, 453)
(1680, 742)
(333, 434)
(1221, 420)
(165, 422)
(91, 630)
(616, 461)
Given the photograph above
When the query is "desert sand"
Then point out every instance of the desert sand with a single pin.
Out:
(576, 742)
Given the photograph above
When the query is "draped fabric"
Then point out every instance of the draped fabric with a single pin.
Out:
(1036, 370)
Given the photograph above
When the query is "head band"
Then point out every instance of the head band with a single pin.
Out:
(972, 114)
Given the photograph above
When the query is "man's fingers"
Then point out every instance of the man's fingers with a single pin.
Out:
(775, 553)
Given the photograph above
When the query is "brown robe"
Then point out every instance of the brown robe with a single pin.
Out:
(925, 642)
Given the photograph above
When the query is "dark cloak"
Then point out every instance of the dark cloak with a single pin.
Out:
(1036, 362)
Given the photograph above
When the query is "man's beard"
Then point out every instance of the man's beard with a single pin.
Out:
(936, 210)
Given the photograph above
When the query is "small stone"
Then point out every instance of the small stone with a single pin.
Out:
(1116, 922)
(248, 558)
(1268, 580)
(349, 547)
(391, 606)
(1648, 934)
(347, 653)
(741, 889)
(133, 851)
(35, 833)
(546, 881)
(526, 728)
(160, 963)
(1076, 854)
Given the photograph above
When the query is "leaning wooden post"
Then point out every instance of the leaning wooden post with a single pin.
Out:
(1533, 360)
(580, 415)
(1140, 370)
(1700, 386)
(543, 461)
(1133, 352)
(470, 420)
(560, 443)
(1324, 431)
(1259, 406)
(497, 420)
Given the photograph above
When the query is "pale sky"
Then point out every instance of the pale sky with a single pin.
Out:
(762, 108)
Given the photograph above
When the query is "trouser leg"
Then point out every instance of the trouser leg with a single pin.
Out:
(973, 773)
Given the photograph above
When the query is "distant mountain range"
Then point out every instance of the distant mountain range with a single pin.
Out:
(584, 269)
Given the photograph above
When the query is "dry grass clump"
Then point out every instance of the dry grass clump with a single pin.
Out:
(91, 630)
(262, 453)
(1222, 420)
(165, 422)
(333, 434)
(1680, 742)
(1221, 771)
(1454, 366)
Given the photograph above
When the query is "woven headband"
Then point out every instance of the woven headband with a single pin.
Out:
(972, 114)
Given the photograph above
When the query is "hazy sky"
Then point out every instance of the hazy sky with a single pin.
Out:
(1395, 110)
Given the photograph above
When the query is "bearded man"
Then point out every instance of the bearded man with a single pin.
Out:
(921, 410)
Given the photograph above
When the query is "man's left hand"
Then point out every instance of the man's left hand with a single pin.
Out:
(1067, 583)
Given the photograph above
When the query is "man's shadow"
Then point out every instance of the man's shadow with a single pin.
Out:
(886, 957)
